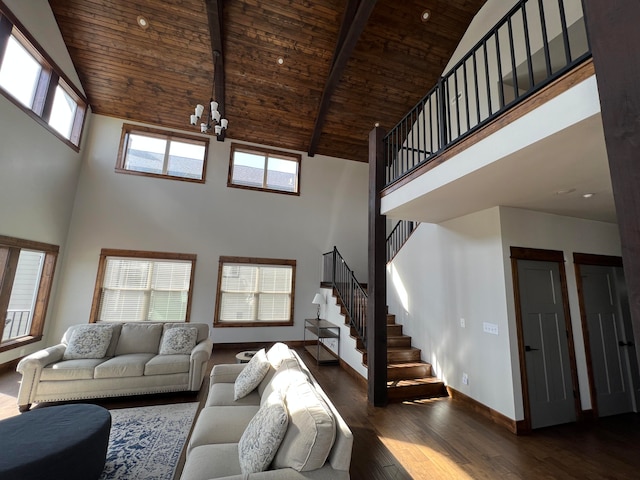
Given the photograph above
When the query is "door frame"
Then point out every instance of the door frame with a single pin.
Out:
(598, 260)
(555, 256)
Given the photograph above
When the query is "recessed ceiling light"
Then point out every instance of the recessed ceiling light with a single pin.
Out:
(143, 22)
(280, 60)
(588, 195)
(425, 15)
(565, 192)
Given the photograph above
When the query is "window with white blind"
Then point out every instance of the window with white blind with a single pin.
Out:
(26, 275)
(255, 292)
(143, 286)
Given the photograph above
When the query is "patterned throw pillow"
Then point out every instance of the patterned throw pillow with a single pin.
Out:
(251, 375)
(178, 341)
(261, 439)
(88, 341)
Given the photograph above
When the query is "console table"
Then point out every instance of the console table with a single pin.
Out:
(323, 331)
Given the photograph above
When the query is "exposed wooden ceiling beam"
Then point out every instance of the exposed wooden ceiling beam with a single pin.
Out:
(214, 15)
(355, 19)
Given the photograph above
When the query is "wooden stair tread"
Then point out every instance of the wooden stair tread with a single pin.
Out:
(414, 381)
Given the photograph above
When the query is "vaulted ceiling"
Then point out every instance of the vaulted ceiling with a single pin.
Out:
(158, 74)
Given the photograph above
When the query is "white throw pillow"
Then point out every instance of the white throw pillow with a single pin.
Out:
(88, 341)
(261, 439)
(178, 341)
(251, 375)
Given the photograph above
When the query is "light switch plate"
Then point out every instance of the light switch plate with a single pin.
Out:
(491, 328)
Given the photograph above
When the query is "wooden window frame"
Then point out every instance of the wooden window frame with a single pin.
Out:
(267, 153)
(254, 261)
(50, 77)
(8, 264)
(145, 255)
(168, 135)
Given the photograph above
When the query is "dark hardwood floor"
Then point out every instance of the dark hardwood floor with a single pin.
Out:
(440, 438)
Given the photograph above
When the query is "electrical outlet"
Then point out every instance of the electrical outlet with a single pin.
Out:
(463, 323)
(465, 379)
(491, 328)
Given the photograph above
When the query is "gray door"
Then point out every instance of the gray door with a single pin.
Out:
(544, 329)
(611, 341)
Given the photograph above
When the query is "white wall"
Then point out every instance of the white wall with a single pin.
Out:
(446, 273)
(114, 210)
(38, 172)
(462, 269)
(525, 228)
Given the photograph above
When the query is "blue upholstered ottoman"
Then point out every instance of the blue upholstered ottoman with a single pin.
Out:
(62, 442)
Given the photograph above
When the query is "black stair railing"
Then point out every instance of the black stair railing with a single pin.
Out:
(398, 237)
(352, 295)
(536, 42)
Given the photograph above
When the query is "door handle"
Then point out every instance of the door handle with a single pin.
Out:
(527, 348)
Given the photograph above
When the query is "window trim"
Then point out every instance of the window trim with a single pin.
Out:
(51, 75)
(169, 135)
(41, 304)
(267, 152)
(110, 252)
(253, 261)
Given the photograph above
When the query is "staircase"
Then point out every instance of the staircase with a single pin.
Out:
(408, 377)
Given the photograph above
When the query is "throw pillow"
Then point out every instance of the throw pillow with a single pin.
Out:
(251, 375)
(88, 341)
(178, 341)
(261, 439)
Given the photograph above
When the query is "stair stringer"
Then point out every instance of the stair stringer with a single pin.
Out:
(348, 349)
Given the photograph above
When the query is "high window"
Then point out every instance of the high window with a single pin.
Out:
(33, 82)
(143, 286)
(261, 169)
(26, 275)
(160, 153)
(255, 292)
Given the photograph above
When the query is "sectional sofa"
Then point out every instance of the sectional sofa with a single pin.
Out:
(268, 419)
(116, 359)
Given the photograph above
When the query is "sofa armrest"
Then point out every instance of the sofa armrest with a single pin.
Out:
(31, 367)
(226, 372)
(40, 359)
(200, 356)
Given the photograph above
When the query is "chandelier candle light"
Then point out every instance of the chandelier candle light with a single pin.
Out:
(214, 118)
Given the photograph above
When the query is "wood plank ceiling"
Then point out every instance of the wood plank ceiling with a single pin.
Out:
(158, 74)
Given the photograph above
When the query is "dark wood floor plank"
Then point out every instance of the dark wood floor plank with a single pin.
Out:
(438, 438)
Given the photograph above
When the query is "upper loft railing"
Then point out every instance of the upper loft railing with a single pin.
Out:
(534, 43)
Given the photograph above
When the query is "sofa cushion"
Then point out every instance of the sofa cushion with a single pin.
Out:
(311, 431)
(81, 369)
(178, 341)
(212, 461)
(223, 424)
(139, 338)
(88, 341)
(115, 336)
(202, 329)
(288, 373)
(224, 393)
(277, 353)
(262, 437)
(167, 364)
(251, 375)
(131, 365)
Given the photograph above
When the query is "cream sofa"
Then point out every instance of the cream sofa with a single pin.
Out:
(317, 442)
(116, 359)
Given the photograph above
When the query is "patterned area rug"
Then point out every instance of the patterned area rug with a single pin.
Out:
(146, 442)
